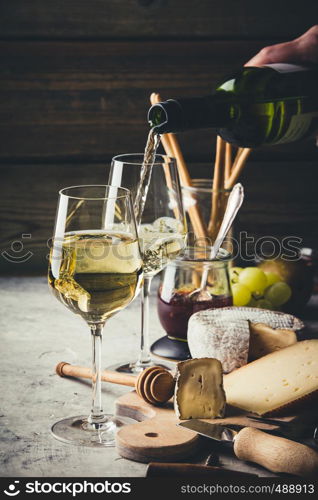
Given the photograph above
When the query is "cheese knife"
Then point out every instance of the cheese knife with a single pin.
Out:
(276, 454)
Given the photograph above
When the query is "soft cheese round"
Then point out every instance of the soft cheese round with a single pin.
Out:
(228, 343)
(224, 333)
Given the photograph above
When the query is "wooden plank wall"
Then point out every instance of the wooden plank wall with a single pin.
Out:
(75, 80)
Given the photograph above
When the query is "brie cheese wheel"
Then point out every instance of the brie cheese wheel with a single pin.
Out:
(199, 389)
(224, 333)
(227, 342)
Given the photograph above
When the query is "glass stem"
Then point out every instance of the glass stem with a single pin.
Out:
(144, 355)
(97, 414)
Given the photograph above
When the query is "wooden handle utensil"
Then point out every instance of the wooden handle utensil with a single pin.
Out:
(276, 454)
(155, 384)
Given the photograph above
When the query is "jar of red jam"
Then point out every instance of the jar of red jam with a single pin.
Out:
(176, 302)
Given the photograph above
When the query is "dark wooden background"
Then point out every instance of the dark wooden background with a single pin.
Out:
(75, 80)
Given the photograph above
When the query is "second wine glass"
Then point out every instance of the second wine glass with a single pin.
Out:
(161, 231)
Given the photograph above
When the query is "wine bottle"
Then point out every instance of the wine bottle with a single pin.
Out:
(272, 104)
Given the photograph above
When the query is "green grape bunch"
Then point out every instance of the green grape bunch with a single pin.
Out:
(254, 287)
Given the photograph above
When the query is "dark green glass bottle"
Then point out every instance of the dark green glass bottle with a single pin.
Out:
(273, 104)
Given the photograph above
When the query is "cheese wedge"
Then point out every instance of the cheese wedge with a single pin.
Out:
(199, 389)
(264, 339)
(282, 379)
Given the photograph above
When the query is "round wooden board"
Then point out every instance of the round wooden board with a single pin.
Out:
(156, 436)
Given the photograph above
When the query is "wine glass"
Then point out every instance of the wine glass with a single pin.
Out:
(95, 270)
(161, 231)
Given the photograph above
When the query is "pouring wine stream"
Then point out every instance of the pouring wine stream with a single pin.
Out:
(233, 205)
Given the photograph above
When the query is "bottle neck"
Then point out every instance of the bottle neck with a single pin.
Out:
(190, 113)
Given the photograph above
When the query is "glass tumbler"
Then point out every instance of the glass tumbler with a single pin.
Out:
(205, 211)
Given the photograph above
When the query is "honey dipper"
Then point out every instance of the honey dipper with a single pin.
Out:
(155, 384)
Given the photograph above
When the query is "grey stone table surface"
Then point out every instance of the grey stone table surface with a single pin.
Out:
(37, 332)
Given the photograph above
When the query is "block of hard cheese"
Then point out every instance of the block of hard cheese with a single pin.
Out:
(265, 339)
(199, 389)
(271, 384)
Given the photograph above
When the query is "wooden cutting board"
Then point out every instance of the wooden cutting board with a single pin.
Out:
(157, 438)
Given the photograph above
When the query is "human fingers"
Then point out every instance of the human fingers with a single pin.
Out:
(302, 50)
(283, 52)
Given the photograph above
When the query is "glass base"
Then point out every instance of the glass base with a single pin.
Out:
(78, 430)
(136, 367)
(170, 349)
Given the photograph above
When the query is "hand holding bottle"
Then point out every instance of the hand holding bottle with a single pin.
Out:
(302, 50)
(272, 100)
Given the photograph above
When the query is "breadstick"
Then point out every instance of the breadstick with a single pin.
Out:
(238, 166)
(217, 180)
(228, 161)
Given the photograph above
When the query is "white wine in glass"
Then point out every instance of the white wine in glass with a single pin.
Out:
(95, 270)
(161, 226)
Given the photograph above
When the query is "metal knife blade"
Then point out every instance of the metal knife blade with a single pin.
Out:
(214, 431)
